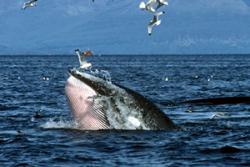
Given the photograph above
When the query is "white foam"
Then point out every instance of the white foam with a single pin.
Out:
(61, 124)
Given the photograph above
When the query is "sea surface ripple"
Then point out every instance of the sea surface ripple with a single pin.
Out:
(36, 127)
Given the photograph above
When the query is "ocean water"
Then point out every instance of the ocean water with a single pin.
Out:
(36, 127)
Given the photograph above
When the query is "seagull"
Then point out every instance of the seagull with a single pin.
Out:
(148, 6)
(154, 22)
(81, 56)
(161, 3)
(30, 3)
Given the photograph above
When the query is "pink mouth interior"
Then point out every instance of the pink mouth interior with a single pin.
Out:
(80, 97)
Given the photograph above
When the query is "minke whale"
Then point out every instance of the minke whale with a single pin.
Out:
(98, 104)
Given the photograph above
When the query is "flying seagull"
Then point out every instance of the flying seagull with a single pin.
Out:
(152, 5)
(154, 22)
(30, 3)
(148, 6)
(161, 3)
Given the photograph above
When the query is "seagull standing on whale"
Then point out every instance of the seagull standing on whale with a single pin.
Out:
(154, 22)
(30, 3)
(81, 56)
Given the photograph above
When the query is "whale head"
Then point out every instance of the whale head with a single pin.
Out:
(97, 103)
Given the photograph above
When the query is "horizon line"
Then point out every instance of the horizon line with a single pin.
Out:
(167, 54)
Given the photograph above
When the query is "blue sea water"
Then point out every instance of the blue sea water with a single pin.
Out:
(36, 127)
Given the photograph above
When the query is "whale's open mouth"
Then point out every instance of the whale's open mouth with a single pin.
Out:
(81, 96)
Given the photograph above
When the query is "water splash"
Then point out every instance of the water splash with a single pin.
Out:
(60, 124)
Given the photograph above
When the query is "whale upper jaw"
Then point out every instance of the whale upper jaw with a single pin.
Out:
(101, 86)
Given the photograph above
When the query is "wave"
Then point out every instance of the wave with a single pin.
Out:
(4, 107)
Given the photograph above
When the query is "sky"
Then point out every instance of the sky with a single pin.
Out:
(120, 27)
